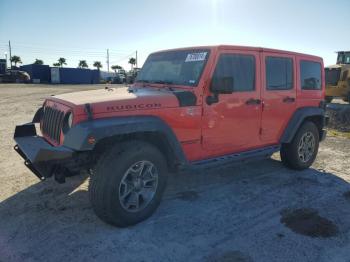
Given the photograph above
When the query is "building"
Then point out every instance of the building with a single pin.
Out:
(61, 75)
(65, 75)
(3, 66)
(38, 73)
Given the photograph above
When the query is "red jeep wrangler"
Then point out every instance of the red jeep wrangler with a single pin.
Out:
(188, 107)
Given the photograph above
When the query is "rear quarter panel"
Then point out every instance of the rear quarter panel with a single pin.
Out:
(309, 97)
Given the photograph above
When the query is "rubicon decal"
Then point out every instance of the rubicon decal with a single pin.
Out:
(130, 107)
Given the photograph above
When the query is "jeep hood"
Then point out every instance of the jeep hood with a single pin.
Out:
(119, 99)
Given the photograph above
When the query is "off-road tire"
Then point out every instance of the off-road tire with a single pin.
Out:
(329, 99)
(289, 152)
(107, 176)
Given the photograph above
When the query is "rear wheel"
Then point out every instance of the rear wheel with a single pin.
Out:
(302, 151)
(127, 183)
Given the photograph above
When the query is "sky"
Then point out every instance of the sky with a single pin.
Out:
(85, 29)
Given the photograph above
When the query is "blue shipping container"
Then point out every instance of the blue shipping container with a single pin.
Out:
(77, 76)
(40, 72)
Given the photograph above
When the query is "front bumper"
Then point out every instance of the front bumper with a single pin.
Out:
(39, 156)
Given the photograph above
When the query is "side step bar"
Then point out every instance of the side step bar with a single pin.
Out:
(255, 154)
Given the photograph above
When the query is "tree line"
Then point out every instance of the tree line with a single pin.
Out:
(82, 63)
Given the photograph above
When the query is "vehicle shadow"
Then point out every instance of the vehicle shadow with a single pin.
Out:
(205, 213)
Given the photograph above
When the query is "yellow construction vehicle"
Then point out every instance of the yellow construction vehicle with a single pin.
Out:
(338, 78)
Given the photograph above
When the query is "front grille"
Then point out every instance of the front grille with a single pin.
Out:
(51, 124)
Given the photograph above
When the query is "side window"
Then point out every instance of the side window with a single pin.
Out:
(240, 67)
(310, 75)
(279, 73)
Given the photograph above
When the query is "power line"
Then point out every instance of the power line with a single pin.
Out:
(124, 58)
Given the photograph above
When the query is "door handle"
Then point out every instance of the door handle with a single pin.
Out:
(288, 99)
(253, 101)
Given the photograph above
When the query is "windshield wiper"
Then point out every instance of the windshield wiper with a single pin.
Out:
(163, 82)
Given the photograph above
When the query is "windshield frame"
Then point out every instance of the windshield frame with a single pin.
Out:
(187, 85)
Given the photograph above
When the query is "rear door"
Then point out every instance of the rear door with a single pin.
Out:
(232, 124)
(278, 94)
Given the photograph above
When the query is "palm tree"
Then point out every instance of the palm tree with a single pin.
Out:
(62, 61)
(38, 62)
(132, 61)
(116, 67)
(83, 64)
(98, 65)
(16, 59)
(56, 64)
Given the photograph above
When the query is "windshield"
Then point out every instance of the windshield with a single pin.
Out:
(174, 67)
(343, 58)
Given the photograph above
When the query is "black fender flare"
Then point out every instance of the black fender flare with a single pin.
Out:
(77, 137)
(38, 115)
(298, 118)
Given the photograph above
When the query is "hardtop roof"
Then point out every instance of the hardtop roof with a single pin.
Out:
(243, 48)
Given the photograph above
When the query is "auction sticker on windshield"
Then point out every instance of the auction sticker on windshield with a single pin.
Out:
(196, 57)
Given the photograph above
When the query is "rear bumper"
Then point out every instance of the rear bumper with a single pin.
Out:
(39, 156)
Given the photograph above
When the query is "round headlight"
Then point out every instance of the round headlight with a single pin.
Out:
(67, 122)
(70, 120)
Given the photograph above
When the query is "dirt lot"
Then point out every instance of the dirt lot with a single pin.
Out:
(254, 212)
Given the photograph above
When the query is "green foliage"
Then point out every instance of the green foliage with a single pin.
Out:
(16, 59)
(62, 61)
(83, 64)
(116, 67)
(38, 62)
(97, 64)
(132, 61)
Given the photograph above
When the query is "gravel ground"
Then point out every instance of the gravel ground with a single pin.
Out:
(339, 115)
(255, 212)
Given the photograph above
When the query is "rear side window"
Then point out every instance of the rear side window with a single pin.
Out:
(279, 73)
(240, 67)
(310, 75)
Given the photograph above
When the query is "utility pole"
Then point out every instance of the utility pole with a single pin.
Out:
(10, 55)
(108, 60)
(136, 59)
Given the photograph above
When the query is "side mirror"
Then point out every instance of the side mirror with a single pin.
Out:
(222, 85)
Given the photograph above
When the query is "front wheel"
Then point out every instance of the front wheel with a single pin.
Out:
(127, 183)
(302, 151)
